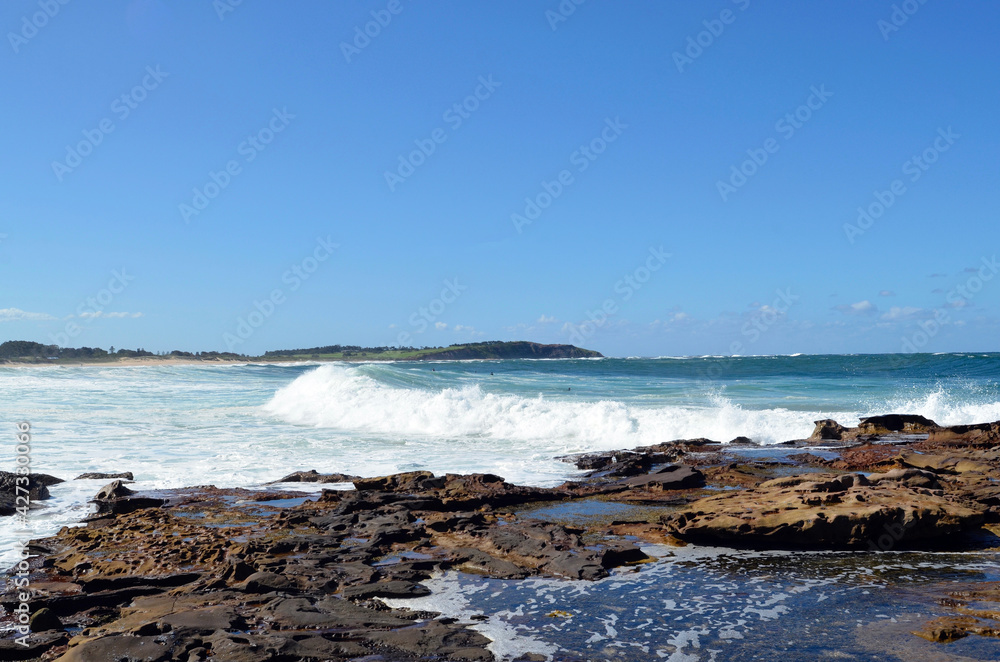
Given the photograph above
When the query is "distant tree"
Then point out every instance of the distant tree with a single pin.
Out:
(13, 349)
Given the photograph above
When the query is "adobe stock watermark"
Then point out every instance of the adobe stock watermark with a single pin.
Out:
(293, 277)
(381, 19)
(122, 107)
(30, 25)
(93, 307)
(786, 127)
(714, 27)
(625, 288)
(424, 316)
(899, 16)
(562, 12)
(249, 149)
(762, 321)
(913, 168)
(957, 297)
(765, 318)
(21, 571)
(580, 159)
(454, 117)
(223, 7)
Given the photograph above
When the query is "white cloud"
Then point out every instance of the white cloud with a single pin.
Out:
(440, 325)
(865, 307)
(887, 293)
(17, 315)
(544, 319)
(674, 319)
(470, 330)
(901, 313)
(114, 315)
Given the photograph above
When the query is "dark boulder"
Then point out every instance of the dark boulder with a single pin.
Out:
(828, 429)
(113, 490)
(390, 589)
(265, 582)
(44, 619)
(126, 475)
(312, 476)
(899, 423)
(411, 481)
(36, 486)
(674, 477)
(125, 505)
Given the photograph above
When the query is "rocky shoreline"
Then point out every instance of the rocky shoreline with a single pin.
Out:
(231, 574)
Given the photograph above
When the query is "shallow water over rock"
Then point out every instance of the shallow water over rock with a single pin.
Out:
(702, 604)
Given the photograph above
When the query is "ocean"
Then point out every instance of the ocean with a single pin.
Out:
(246, 424)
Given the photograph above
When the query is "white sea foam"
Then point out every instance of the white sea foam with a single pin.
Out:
(343, 398)
(945, 406)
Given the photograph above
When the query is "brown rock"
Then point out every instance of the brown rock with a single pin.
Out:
(411, 481)
(113, 490)
(122, 647)
(265, 582)
(896, 423)
(907, 477)
(300, 613)
(312, 476)
(390, 589)
(126, 475)
(942, 463)
(981, 434)
(38, 643)
(10, 489)
(822, 511)
(44, 619)
(125, 505)
(435, 638)
(476, 562)
(828, 429)
(866, 458)
(668, 478)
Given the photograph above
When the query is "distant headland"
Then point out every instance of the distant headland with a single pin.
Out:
(23, 352)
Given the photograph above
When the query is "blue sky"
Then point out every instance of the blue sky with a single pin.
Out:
(260, 176)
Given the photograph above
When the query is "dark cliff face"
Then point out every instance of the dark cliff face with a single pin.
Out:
(511, 350)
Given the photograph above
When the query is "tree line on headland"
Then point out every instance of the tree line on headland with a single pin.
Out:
(26, 351)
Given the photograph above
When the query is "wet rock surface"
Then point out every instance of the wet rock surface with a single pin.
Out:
(312, 476)
(125, 475)
(827, 511)
(36, 489)
(227, 574)
(204, 573)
